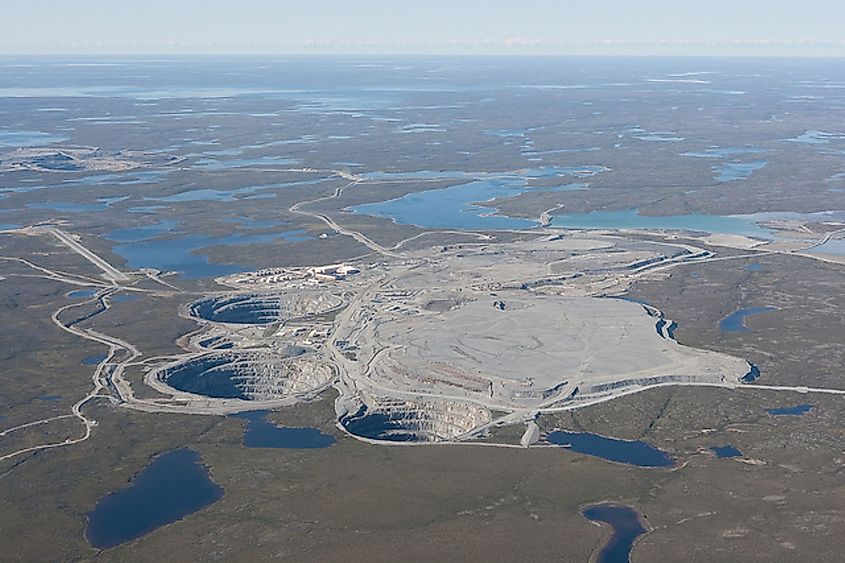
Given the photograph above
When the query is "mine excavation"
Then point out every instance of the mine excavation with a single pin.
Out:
(247, 375)
(73, 158)
(394, 420)
(261, 309)
(442, 344)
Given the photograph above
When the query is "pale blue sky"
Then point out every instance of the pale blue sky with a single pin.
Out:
(669, 27)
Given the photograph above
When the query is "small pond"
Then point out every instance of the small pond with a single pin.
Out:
(170, 488)
(630, 452)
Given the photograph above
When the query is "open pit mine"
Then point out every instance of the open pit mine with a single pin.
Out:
(443, 344)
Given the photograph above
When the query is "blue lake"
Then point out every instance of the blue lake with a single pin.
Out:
(94, 360)
(732, 171)
(146, 209)
(248, 192)
(726, 152)
(15, 139)
(631, 219)
(735, 322)
(660, 137)
(122, 179)
(135, 234)
(200, 194)
(69, 207)
(451, 207)
(621, 451)
(461, 206)
(797, 410)
(817, 137)
(101, 204)
(141, 247)
(216, 165)
(833, 246)
(181, 254)
(726, 451)
(260, 433)
(170, 488)
(626, 525)
(130, 178)
(526, 174)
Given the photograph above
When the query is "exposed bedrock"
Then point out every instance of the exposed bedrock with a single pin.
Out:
(261, 309)
(250, 376)
(406, 421)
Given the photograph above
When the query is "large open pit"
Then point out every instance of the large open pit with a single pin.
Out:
(262, 309)
(395, 420)
(249, 376)
(428, 347)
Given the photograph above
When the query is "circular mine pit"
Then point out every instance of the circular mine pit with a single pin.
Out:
(262, 309)
(249, 376)
(404, 421)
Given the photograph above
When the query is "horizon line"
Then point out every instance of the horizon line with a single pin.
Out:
(302, 54)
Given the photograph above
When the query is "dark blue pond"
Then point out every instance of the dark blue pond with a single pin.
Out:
(670, 330)
(752, 375)
(726, 451)
(735, 322)
(260, 433)
(621, 451)
(173, 486)
(754, 267)
(94, 360)
(666, 329)
(626, 525)
(797, 410)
